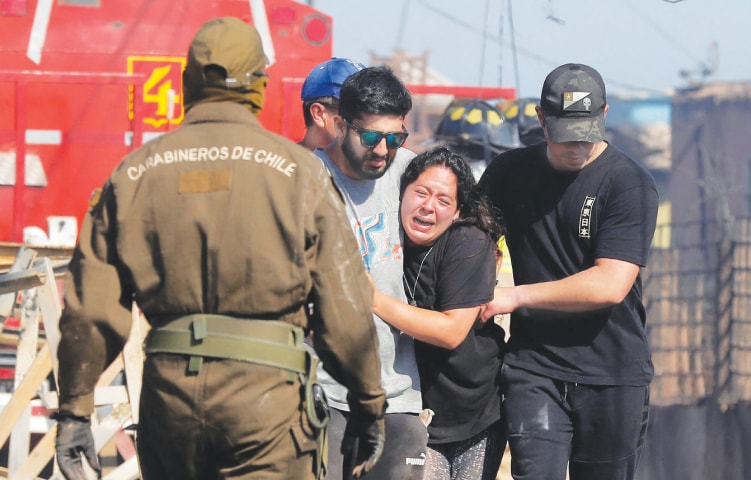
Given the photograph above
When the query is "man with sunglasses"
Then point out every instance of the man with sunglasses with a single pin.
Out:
(320, 100)
(366, 162)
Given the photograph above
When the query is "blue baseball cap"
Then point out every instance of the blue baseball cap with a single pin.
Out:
(325, 80)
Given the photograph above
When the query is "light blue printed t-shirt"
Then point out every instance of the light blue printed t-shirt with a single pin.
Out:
(373, 211)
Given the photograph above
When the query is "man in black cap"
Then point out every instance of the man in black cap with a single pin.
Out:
(222, 232)
(579, 218)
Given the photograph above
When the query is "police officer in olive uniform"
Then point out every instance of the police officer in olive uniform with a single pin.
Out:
(222, 233)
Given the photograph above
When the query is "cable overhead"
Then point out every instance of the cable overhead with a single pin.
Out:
(660, 31)
(484, 44)
(552, 16)
(513, 47)
(402, 25)
(528, 54)
(501, 22)
(705, 69)
(473, 30)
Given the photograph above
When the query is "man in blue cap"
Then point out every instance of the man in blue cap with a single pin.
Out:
(320, 100)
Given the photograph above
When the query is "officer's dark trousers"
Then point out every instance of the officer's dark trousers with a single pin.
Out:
(597, 430)
(232, 420)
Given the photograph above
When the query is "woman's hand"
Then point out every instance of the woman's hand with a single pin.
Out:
(481, 315)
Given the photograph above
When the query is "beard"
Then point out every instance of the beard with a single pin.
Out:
(358, 164)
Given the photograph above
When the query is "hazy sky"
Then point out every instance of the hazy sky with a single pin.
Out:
(635, 44)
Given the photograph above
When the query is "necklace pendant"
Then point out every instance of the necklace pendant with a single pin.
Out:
(413, 303)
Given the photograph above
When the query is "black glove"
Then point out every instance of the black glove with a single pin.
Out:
(74, 438)
(362, 444)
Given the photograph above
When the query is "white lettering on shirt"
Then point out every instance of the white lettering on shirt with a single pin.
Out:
(585, 217)
(212, 154)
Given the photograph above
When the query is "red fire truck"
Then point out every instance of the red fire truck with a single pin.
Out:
(82, 82)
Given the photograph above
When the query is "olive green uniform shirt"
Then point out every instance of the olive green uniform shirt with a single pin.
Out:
(218, 216)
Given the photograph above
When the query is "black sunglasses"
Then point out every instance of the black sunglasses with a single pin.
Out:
(371, 138)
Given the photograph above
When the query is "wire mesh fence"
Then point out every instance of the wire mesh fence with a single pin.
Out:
(697, 295)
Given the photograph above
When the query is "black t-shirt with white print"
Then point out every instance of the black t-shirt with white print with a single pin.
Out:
(557, 224)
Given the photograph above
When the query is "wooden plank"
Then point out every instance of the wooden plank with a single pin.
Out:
(133, 358)
(10, 283)
(39, 456)
(20, 440)
(4, 475)
(51, 308)
(120, 397)
(9, 251)
(128, 470)
(108, 427)
(24, 259)
(110, 372)
(26, 390)
(11, 339)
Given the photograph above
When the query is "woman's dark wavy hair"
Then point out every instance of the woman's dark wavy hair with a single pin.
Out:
(474, 208)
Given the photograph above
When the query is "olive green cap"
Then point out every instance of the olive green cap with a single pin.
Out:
(231, 44)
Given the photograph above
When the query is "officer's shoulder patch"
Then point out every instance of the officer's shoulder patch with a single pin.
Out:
(94, 198)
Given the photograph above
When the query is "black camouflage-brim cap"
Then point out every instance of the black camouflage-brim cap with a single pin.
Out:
(232, 44)
(573, 101)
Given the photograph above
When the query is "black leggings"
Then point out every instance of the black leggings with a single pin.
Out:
(477, 458)
(403, 455)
